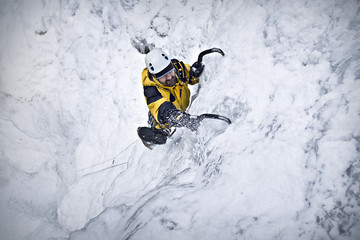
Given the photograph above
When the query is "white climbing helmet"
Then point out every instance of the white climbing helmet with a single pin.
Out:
(158, 63)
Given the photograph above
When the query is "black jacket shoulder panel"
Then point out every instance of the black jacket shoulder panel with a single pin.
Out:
(152, 94)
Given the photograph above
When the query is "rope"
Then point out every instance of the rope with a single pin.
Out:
(111, 159)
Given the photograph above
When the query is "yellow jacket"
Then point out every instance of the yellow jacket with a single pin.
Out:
(162, 100)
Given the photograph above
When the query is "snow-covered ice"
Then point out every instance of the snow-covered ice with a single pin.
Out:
(72, 166)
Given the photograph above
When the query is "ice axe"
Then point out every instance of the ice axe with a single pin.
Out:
(198, 67)
(213, 116)
(211, 50)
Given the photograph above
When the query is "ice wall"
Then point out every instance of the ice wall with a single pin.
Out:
(71, 100)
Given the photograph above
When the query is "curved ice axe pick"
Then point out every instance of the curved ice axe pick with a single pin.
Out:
(211, 50)
(213, 116)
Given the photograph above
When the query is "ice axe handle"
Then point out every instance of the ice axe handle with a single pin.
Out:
(211, 50)
(214, 116)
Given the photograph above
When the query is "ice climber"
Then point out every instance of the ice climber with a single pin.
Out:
(165, 82)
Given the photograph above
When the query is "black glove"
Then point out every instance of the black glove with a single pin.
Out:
(196, 69)
(191, 122)
(182, 119)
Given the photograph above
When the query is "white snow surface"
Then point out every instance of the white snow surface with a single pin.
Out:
(72, 166)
